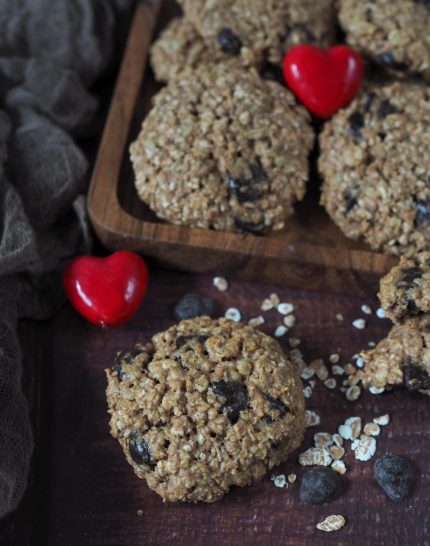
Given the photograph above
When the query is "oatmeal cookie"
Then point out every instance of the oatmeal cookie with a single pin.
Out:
(405, 290)
(375, 162)
(223, 149)
(394, 33)
(402, 358)
(267, 28)
(207, 405)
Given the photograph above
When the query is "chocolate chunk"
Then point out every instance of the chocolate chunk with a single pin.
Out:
(277, 404)
(412, 309)
(247, 189)
(229, 42)
(388, 60)
(194, 305)
(394, 474)
(350, 201)
(422, 216)
(256, 229)
(235, 395)
(273, 72)
(191, 340)
(409, 275)
(139, 448)
(320, 484)
(126, 357)
(386, 108)
(425, 3)
(415, 378)
(355, 123)
(368, 101)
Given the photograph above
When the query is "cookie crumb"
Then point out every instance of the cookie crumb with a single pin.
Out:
(220, 283)
(139, 513)
(372, 344)
(233, 313)
(339, 317)
(294, 342)
(338, 466)
(350, 369)
(256, 321)
(280, 331)
(366, 309)
(331, 523)
(360, 324)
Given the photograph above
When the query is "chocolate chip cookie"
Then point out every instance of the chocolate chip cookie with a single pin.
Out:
(267, 28)
(405, 290)
(375, 162)
(402, 358)
(206, 405)
(223, 149)
(394, 33)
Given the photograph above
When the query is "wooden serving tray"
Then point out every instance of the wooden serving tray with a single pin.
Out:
(310, 252)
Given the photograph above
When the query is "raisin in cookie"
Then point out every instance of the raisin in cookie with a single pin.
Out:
(402, 358)
(394, 33)
(207, 405)
(405, 290)
(267, 28)
(375, 161)
(223, 149)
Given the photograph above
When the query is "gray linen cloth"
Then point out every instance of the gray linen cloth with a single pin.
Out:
(51, 52)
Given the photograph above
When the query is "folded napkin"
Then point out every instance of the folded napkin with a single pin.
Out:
(51, 52)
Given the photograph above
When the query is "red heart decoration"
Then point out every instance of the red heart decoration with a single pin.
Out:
(323, 80)
(106, 291)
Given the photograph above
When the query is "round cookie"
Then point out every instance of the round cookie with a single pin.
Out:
(375, 162)
(207, 405)
(223, 149)
(402, 358)
(268, 28)
(394, 33)
(405, 290)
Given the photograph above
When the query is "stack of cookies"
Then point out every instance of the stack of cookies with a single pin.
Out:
(403, 357)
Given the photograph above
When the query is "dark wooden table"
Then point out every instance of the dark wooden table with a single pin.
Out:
(83, 493)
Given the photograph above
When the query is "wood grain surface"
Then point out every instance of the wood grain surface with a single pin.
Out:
(310, 252)
(87, 494)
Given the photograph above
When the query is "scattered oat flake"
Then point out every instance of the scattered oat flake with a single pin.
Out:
(380, 313)
(349, 369)
(267, 305)
(274, 298)
(315, 456)
(337, 439)
(272, 477)
(382, 420)
(233, 314)
(220, 283)
(360, 362)
(371, 429)
(330, 383)
(280, 481)
(372, 344)
(294, 342)
(334, 358)
(256, 321)
(338, 466)
(364, 448)
(351, 429)
(289, 321)
(337, 370)
(307, 392)
(376, 390)
(312, 419)
(280, 331)
(360, 324)
(331, 523)
(140, 513)
(307, 373)
(320, 368)
(292, 478)
(339, 317)
(366, 309)
(353, 393)
(336, 452)
(323, 439)
(312, 383)
(285, 308)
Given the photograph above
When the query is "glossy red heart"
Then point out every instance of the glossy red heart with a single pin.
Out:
(323, 80)
(106, 291)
